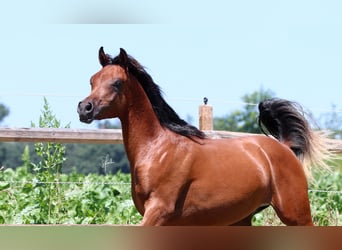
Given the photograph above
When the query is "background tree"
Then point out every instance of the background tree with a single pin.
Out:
(332, 121)
(244, 120)
(97, 158)
(4, 111)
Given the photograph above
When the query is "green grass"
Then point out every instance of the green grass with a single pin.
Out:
(95, 199)
(72, 199)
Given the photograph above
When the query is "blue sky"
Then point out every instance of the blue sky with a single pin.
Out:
(221, 50)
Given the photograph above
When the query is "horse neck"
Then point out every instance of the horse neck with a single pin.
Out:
(140, 124)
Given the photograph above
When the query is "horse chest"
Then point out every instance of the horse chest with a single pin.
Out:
(142, 182)
(141, 189)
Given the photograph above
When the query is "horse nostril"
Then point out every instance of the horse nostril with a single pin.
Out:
(86, 111)
(89, 107)
(85, 107)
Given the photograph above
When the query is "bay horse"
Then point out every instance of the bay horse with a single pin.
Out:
(179, 176)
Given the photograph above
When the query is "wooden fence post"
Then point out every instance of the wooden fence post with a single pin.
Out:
(206, 116)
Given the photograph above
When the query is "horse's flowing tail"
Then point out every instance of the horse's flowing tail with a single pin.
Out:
(286, 122)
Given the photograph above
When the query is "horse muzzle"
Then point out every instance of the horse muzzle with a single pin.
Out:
(85, 110)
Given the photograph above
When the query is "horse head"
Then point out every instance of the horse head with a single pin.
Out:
(107, 86)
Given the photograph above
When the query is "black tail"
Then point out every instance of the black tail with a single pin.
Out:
(286, 122)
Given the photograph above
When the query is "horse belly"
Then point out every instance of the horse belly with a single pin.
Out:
(226, 191)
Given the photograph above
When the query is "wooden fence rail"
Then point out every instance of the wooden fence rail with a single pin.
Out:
(90, 136)
(113, 136)
(61, 135)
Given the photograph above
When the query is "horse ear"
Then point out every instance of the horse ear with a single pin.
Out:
(123, 57)
(103, 58)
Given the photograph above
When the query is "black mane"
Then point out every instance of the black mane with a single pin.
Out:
(165, 114)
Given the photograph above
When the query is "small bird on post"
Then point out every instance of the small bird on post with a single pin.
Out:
(205, 116)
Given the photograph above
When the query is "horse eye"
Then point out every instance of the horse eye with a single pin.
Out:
(117, 84)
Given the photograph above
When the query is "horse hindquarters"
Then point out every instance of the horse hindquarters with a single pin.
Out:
(290, 197)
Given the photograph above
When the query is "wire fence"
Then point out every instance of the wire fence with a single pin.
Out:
(35, 182)
(174, 99)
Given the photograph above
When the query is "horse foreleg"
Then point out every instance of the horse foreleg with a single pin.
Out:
(153, 217)
(156, 213)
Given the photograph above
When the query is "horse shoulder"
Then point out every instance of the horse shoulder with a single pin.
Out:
(161, 172)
